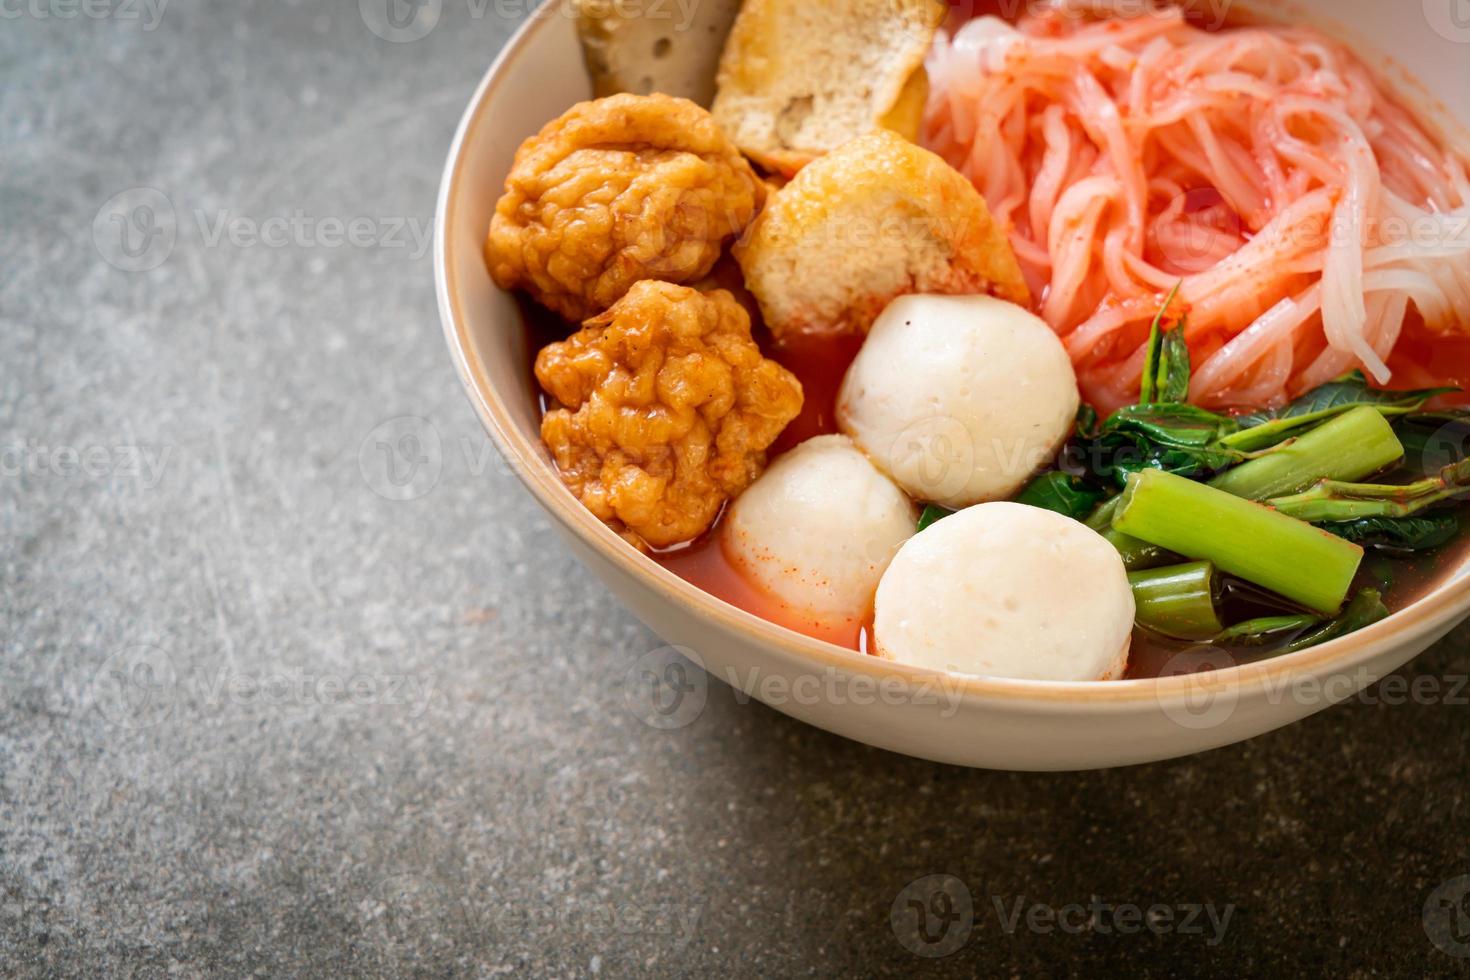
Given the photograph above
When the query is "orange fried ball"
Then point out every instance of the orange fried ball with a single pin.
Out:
(665, 410)
(619, 189)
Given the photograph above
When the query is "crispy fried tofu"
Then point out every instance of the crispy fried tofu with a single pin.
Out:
(673, 48)
(798, 79)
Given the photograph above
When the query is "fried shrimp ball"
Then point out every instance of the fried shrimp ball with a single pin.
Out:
(617, 190)
(665, 410)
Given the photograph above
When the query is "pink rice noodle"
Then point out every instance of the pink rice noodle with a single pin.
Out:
(1265, 167)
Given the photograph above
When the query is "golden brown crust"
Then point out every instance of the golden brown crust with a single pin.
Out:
(616, 190)
(797, 79)
(665, 410)
(875, 219)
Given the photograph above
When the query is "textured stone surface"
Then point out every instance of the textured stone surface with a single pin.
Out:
(258, 717)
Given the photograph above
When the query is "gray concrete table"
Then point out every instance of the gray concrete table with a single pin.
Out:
(295, 680)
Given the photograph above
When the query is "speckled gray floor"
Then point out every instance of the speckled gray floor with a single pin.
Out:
(274, 701)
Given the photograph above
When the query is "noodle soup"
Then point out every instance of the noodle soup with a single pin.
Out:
(1245, 244)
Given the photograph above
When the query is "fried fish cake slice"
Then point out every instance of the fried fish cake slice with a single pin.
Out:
(875, 219)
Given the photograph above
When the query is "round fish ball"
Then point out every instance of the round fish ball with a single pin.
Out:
(816, 530)
(1007, 590)
(959, 398)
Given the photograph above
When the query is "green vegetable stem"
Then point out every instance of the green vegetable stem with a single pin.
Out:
(1353, 445)
(1333, 500)
(1264, 429)
(1136, 554)
(1180, 601)
(1277, 552)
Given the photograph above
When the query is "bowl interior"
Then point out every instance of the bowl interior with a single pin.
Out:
(540, 74)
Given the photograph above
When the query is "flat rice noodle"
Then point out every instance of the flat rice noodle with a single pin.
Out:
(1312, 220)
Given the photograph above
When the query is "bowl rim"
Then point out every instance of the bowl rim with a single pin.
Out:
(1439, 608)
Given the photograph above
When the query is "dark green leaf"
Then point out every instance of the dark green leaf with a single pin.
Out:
(932, 514)
(1262, 429)
(1062, 493)
(1401, 535)
(1087, 422)
(1366, 609)
(1175, 425)
(1180, 439)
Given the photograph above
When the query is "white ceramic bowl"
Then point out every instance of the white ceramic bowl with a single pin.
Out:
(1000, 724)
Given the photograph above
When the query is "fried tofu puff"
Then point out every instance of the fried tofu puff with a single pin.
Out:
(874, 219)
(665, 409)
(617, 190)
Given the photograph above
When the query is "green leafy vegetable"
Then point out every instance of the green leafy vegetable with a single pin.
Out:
(933, 514)
(1065, 494)
(1166, 363)
(1260, 430)
(1366, 609)
(1087, 422)
(1304, 630)
(1256, 632)
(1177, 438)
(1397, 535)
(1332, 500)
